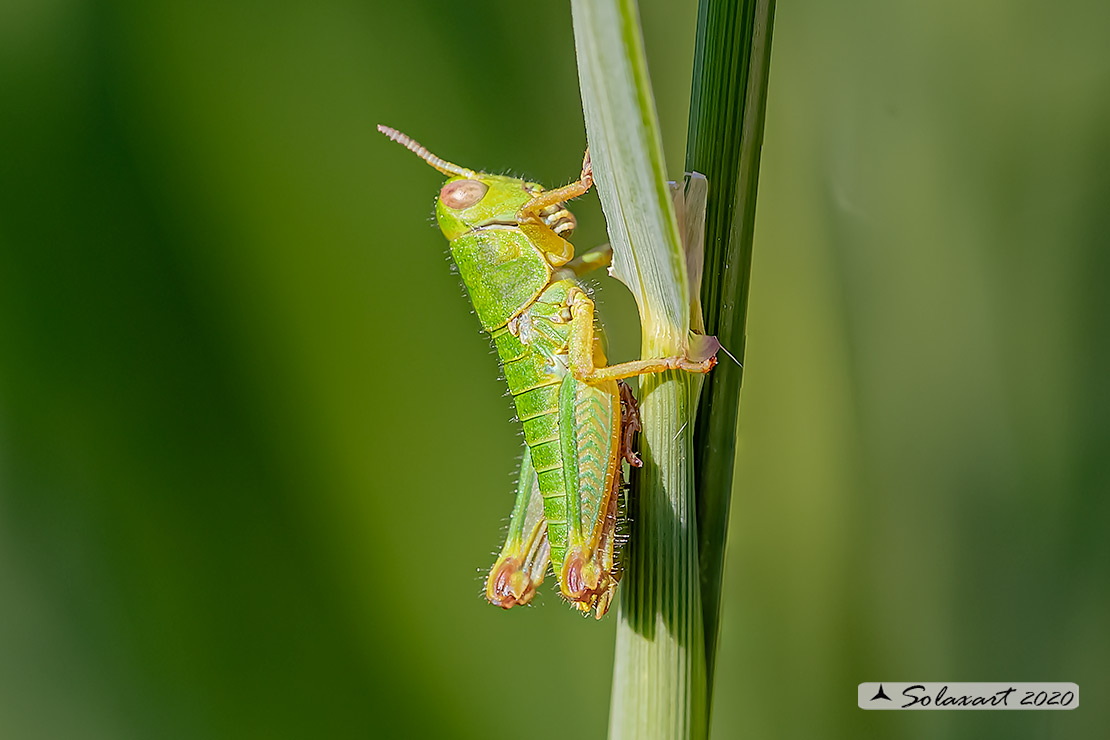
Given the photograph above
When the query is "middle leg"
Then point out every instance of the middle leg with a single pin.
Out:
(585, 354)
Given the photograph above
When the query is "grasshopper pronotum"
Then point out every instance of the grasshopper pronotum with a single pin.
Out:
(507, 239)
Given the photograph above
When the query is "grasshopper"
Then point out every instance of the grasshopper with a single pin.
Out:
(507, 238)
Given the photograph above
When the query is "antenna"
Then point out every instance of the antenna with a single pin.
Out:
(413, 146)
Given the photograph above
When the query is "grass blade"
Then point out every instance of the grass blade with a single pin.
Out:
(728, 101)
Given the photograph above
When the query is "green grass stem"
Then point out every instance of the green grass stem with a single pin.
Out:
(727, 106)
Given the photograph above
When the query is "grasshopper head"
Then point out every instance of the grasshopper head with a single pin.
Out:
(467, 203)
(469, 199)
(504, 270)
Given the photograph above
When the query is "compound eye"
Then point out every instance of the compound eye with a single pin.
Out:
(462, 194)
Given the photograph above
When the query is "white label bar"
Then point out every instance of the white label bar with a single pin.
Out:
(940, 695)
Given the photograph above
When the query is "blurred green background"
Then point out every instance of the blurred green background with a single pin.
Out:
(254, 456)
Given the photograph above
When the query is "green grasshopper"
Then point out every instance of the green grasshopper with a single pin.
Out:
(506, 237)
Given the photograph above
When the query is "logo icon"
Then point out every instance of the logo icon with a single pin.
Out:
(881, 695)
